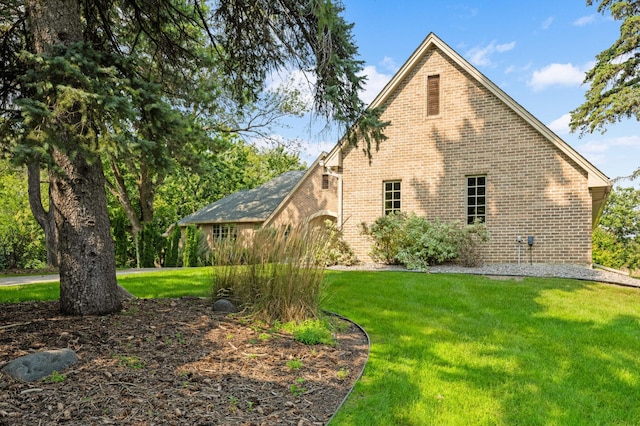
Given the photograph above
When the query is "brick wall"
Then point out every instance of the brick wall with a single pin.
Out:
(309, 201)
(532, 187)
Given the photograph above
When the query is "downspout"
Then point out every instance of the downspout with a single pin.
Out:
(339, 177)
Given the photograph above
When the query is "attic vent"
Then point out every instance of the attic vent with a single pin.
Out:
(325, 181)
(433, 95)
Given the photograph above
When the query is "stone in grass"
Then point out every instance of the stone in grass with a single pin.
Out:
(35, 366)
(224, 305)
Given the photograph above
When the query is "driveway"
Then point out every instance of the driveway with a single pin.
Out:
(35, 279)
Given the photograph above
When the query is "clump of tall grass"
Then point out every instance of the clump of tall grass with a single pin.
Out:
(275, 274)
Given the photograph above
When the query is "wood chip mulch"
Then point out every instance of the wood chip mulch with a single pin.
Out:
(173, 362)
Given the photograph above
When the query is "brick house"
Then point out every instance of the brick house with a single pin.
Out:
(295, 197)
(458, 149)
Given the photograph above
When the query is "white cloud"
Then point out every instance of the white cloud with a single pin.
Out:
(561, 125)
(547, 23)
(374, 84)
(480, 56)
(626, 141)
(556, 75)
(596, 147)
(389, 64)
(501, 48)
(512, 68)
(585, 20)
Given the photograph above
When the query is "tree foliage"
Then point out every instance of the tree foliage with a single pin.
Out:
(87, 81)
(616, 241)
(614, 81)
(21, 241)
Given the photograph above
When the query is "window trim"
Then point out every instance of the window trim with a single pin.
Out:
(470, 215)
(396, 188)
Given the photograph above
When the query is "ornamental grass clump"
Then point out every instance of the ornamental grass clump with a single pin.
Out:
(274, 275)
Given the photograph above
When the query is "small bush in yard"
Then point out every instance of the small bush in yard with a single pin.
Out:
(417, 243)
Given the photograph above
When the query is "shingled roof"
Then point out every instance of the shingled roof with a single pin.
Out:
(253, 205)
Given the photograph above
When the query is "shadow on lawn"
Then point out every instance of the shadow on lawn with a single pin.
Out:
(458, 349)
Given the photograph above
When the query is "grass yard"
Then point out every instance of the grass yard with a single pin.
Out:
(468, 350)
(160, 284)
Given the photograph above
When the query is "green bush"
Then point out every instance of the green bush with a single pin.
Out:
(190, 252)
(276, 274)
(173, 245)
(387, 235)
(336, 251)
(151, 245)
(417, 243)
(311, 332)
(22, 246)
(124, 247)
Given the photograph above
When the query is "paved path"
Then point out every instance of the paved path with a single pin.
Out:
(34, 279)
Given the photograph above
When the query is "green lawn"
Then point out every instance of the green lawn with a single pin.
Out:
(467, 350)
(171, 283)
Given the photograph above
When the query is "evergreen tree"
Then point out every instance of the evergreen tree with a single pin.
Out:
(86, 80)
(614, 81)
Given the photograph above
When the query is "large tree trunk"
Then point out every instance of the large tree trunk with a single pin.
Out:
(87, 264)
(43, 217)
(88, 283)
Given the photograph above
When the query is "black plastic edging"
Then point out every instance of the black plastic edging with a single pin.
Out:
(363, 367)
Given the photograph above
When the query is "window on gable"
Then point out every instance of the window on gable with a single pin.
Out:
(476, 198)
(433, 95)
(392, 196)
(325, 181)
(222, 231)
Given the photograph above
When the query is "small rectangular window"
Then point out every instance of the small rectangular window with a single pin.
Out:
(433, 95)
(222, 231)
(476, 198)
(392, 198)
(325, 181)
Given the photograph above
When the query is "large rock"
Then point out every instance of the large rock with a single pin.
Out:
(224, 305)
(35, 366)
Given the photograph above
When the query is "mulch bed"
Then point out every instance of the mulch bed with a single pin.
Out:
(174, 362)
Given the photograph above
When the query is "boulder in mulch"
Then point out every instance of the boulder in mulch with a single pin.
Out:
(224, 305)
(36, 366)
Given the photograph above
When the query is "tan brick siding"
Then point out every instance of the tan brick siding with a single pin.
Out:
(532, 187)
(308, 200)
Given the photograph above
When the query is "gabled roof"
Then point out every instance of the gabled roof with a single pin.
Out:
(599, 184)
(253, 205)
(595, 177)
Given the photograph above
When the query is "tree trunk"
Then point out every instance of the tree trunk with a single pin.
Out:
(43, 217)
(88, 283)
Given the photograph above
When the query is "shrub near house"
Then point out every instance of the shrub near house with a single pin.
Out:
(417, 243)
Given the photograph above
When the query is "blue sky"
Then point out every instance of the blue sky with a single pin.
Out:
(536, 51)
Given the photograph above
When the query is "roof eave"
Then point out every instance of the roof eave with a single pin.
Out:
(282, 203)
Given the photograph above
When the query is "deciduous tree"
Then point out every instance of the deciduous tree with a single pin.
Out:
(74, 71)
